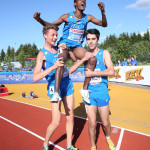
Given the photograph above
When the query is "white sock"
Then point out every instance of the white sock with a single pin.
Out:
(107, 137)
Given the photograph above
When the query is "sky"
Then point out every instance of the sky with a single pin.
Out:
(17, 25)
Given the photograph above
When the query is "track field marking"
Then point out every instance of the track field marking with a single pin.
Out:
(36, 135)
(78, 117)
(120, 139)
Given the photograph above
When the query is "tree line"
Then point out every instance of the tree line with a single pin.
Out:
(119, 47)
(22, 53)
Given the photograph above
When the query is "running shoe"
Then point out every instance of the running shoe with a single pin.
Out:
(111, 144)
(93, 148)
(55, 98)
(85, 95)
(72, 148)
(45, 147)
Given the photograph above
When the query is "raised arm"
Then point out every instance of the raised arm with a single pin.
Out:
(38, 74)
(107, 61)
(62, 19)
(102, 23)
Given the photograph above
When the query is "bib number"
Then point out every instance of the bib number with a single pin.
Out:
(96, 79)
(51, 91)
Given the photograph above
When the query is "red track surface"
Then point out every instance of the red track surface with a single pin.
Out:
(36, 120)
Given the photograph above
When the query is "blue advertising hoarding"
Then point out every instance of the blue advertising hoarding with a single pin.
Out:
(27, 77)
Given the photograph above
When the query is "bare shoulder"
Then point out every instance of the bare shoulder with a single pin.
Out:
(90, 17)
(40, 56)
(106, 52)
(64, 17)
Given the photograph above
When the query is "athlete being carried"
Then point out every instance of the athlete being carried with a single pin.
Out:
(73, 36)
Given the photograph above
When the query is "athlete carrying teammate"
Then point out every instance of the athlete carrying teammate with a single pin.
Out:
(73, 36)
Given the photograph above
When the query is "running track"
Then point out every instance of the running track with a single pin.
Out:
(23, 127)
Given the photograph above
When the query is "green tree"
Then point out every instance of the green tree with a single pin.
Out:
(123, 48)
(2, 56)
(146, 36)
(8, 51)
(12, 53)
(142, 51)
(21, 57)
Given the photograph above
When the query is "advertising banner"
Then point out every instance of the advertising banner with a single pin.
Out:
(132, 74)
(126, 74)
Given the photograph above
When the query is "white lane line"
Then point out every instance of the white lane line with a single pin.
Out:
(36, 135)
(75, 116)
(120, 139)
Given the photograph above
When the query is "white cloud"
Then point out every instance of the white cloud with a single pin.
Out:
(148, 16)
(118, 26)
(140, 4)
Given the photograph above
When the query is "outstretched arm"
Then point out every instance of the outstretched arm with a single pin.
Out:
(62, 19)
(108, 72)
(76, 65)
(102, 23)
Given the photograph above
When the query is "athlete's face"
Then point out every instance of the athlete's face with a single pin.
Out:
(92, 41)
(80, 4)
(51, 37)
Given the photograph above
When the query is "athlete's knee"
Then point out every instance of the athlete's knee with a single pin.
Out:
(106, 123)
(70, 117)
(92, 124)
(92, 61)
(56, 124)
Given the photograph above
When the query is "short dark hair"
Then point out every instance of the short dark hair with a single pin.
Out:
(93, 31)
(75, 1)
(51, 26)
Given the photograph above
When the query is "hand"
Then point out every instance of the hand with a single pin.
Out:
(62, 46)
(59, 62)
(101, 6)
(88, 72)
(36, 15)
(88, 55)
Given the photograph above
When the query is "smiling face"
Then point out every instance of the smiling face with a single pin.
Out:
(92, 41)
(80, 4)
(51, 37)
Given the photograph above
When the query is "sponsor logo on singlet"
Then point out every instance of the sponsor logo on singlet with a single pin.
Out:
(76, 32)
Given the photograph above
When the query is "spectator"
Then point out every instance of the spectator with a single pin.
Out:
(1, 69)
(118, 63)
(14, 69)
(133, 62)
(24, 68)
(6, 69)
(21, 69)
(124, 62)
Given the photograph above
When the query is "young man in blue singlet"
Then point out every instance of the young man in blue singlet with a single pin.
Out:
(73, 36)
(48, 60)
(98, 86)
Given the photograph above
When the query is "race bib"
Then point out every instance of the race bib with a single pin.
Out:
(76, 35)
(96, 79)
(51, 91)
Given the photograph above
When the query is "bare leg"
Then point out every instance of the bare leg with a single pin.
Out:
(79, 53)
(104, 115)
(91, 66)
(59, 71)
(91, 113)
(69, 106)
(56, 116)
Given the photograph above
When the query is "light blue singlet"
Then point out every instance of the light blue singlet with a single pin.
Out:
(74, 31)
